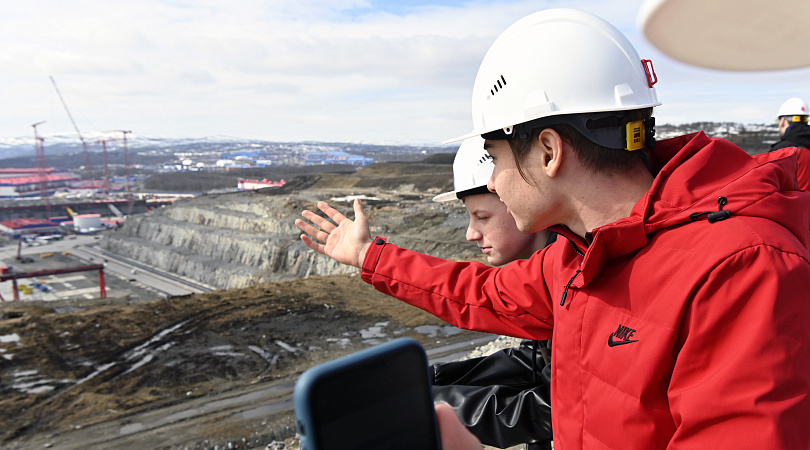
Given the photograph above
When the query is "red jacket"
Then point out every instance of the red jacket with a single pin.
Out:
(803, 173)
(668, 331)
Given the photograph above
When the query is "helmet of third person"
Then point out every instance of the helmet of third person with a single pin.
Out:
(793, 110)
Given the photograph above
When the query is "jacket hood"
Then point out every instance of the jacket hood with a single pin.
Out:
(692, 173)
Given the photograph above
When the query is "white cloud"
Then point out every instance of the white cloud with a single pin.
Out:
(292, 70)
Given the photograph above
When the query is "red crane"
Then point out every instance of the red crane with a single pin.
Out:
(106, 167)
(126, 164)
(126, 168)
(88, 169)
(43, 175)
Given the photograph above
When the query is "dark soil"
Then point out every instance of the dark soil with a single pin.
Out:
(214, 370)
(114, 363)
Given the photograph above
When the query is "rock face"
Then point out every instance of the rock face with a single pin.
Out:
(239, 239)
(225, 241)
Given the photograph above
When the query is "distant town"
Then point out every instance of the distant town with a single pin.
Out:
(65, 185)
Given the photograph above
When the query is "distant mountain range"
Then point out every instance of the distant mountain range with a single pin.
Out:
(18, 152)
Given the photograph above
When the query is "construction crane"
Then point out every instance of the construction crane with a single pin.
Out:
(87, 166)
(43, 176)
(106, 167)
(126, 168)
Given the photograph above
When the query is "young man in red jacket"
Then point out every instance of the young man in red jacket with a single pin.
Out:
(676, 292)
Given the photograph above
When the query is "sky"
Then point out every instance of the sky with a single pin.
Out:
(398, 72)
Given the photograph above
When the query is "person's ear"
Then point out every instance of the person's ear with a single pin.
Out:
(550, 146)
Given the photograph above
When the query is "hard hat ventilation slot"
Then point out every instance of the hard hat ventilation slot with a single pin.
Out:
(499, 84)
(484, 159)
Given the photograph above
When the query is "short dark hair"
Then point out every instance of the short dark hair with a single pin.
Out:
(595, 157)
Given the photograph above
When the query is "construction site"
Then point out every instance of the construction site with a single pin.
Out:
(138, 314)
(214, 367)
(152, 318)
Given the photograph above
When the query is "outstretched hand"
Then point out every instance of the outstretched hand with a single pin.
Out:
(342, 239)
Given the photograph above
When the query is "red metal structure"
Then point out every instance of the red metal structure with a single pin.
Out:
(45, 272)
(126, 168)
(43, 175)
(106, 168)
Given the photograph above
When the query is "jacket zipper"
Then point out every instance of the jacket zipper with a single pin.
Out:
(579, 252)
(576, 249)
(565, 292)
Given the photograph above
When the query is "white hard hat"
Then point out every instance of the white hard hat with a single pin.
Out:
(793, 107)
(557, 62)
(472, 168)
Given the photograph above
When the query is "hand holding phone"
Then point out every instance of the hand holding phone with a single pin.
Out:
(377, 398)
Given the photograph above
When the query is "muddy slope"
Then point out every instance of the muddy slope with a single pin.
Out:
(67, 371)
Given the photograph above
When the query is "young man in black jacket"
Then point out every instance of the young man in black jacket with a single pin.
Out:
(795, 132)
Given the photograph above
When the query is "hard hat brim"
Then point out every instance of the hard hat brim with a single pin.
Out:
(471, 134)
(445, 197)
(740, 35)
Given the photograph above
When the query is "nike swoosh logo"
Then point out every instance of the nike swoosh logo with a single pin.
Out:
(612, 343)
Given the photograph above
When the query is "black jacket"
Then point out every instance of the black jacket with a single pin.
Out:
(503, 398)
(796, 135)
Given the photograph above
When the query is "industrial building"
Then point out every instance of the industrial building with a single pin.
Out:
(16, 228)
(24, 183)
(88, 223)
(248, 185)
(336, 157)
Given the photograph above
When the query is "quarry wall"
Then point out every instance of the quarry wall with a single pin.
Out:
(239, 239)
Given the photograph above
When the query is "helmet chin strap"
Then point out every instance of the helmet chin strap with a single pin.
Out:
(606, 129)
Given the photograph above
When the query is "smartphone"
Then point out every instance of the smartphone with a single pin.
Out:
(377, 398)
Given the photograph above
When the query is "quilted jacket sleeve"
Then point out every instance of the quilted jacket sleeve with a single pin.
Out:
(512, 300)
(743, 344)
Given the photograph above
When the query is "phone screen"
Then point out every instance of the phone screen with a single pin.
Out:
(382, 402)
